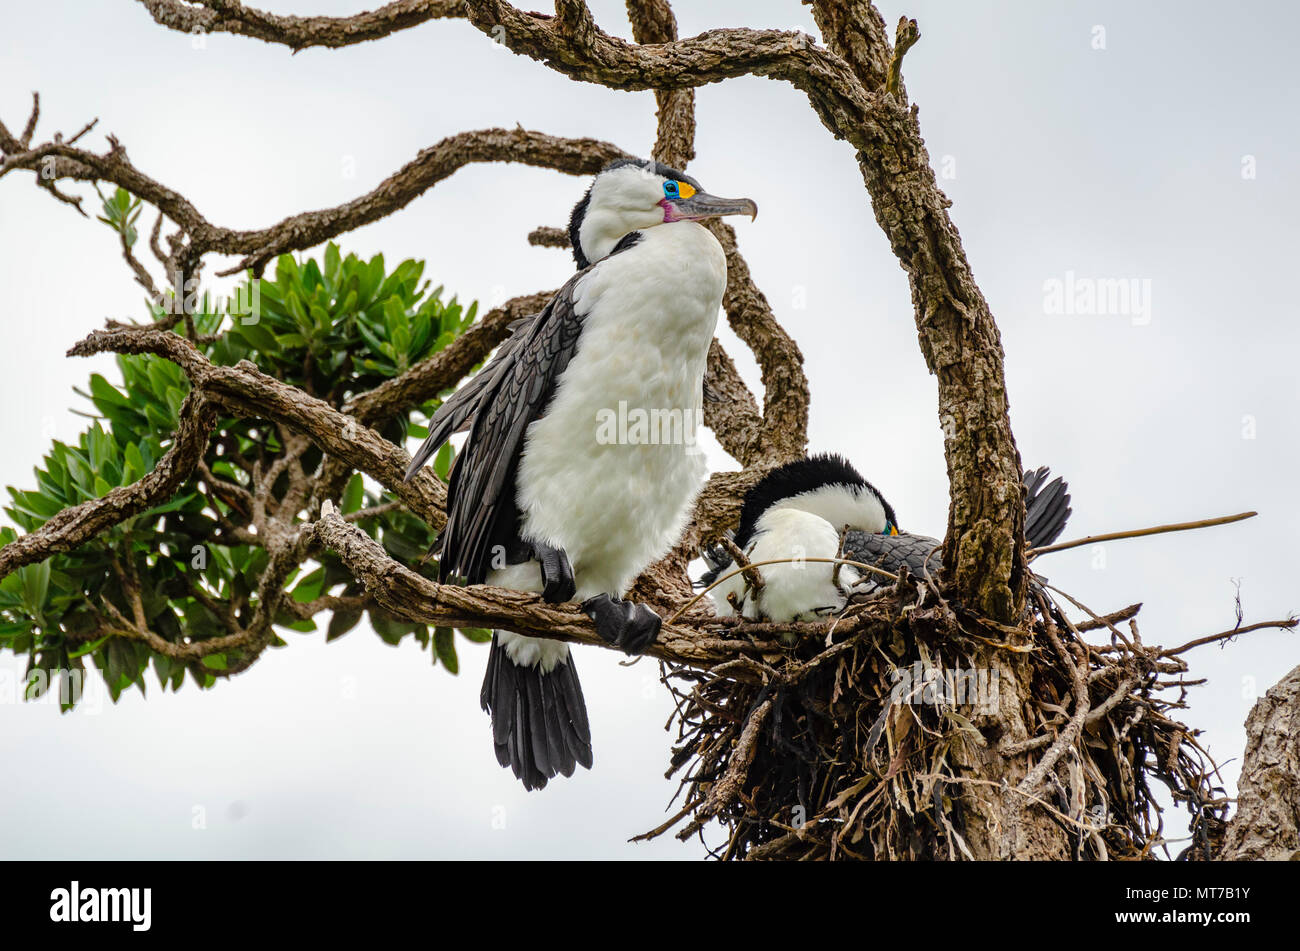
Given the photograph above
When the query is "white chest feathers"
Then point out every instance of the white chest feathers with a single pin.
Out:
(796, 589)
(610, 471)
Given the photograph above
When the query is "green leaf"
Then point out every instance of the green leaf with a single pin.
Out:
(135, 466)
(89, 648)
(257, 336)
(446, 648)
(36, 585)
(342, 622)
(104, 394)
(309, 588)
(353, 494)
(442, 461)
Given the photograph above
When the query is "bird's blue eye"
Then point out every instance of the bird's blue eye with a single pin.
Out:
(670, 189)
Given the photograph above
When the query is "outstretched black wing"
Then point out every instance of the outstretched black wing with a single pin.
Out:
(1047, 507)
(498, 406)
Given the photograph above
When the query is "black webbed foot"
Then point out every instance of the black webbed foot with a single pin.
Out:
(642, 629)
(558, 585)
(632, 627)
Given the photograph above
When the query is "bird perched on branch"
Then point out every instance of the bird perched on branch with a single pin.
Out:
(822, 508)
(562, 487)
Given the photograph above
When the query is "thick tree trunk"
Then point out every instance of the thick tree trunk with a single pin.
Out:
(1267, 823)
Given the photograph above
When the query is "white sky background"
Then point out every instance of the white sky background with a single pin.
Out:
(1117, 163)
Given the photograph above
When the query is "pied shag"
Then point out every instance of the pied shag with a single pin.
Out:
(545, 496)
(799, 510)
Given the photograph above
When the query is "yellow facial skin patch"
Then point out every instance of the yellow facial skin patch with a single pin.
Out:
(684, 190)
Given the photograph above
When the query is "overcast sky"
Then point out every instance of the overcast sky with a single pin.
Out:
(1154, 143)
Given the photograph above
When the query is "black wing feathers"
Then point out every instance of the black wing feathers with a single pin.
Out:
(481, 509)
(1047, 507)
(458, 410)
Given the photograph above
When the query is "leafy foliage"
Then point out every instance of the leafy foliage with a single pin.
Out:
(335, 328)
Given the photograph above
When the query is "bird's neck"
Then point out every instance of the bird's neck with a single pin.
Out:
(600, 231)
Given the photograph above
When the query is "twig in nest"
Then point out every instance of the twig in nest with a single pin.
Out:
(752, 576)
(727, 788)
(839, 555)
(1123, 614)
(668, 824)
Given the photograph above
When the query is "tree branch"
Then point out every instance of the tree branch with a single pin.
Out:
(1267, 821)
(246, 391)
(305, 230)
(653, 22)
(413, 597)
(76, 525)
(297, 32)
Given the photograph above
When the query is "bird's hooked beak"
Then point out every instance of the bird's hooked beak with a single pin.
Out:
(702, 205)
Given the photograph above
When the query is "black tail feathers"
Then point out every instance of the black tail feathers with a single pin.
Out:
(539, 720)
(1047, 507)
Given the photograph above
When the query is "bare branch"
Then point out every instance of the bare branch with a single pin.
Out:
(653, 22)
(432, 165)
(296, 32)
(413, 597)
(696, 61)
(1289, 624)
(906, 37)
(30, 129)
(548, 237)
(729, 408)
(860, 37)
(784, 435)
(1267, 822)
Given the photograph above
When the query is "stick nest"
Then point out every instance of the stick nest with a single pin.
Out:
(830, 746)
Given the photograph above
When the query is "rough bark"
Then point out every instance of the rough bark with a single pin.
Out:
(1267, 822)
(297, 32)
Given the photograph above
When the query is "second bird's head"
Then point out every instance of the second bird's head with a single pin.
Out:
(635, 194)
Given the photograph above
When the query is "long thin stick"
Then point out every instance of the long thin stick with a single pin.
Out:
(1287, 625)
(1138, 533)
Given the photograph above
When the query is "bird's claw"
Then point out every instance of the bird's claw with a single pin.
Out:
(558, 585)
(632, 627)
